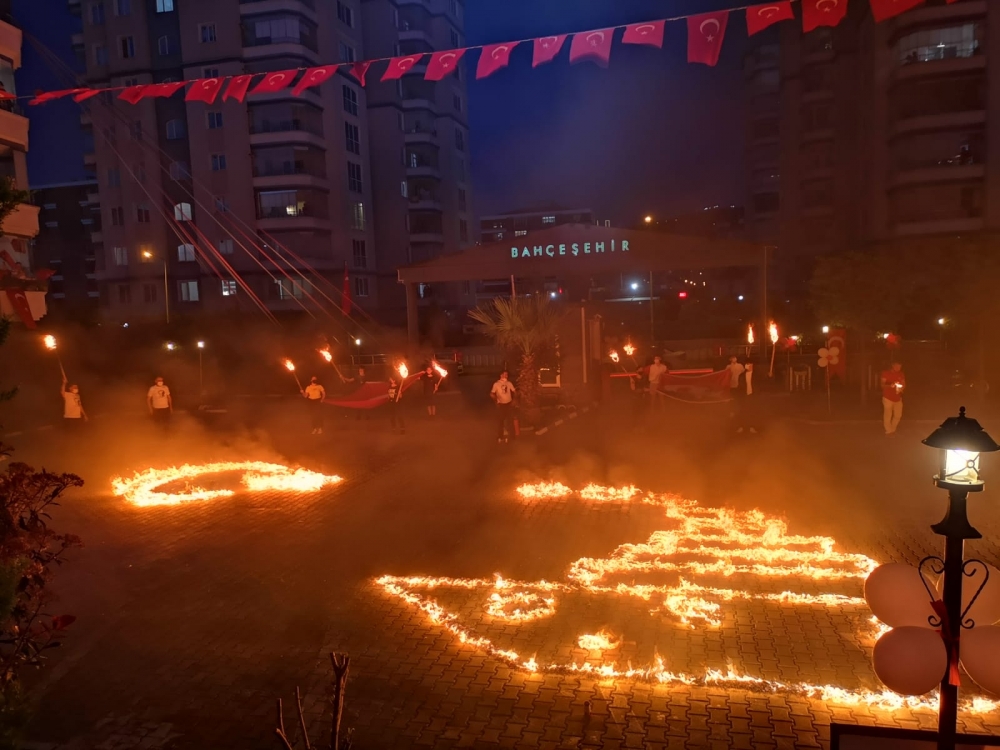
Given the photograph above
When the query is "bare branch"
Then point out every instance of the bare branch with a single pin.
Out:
(302, 718)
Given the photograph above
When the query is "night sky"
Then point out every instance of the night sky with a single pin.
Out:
(651, 134)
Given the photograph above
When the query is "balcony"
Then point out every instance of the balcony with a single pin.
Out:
(423, 168)
(96, 237)
(418, 102)
(94, 197)
(944, 67)
(427, 238)
(13, 129)
(417, 137)
(299, 223)
(946, 121)
(935, 173)
(938, 226)
(286, 137)
(277, 180)
(22, 222)
(934, 15)
(414, 34)
(305, 7)
(10, 44)
(425, 202)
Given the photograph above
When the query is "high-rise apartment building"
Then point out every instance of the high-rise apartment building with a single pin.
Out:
(312, 171)
(876, 133)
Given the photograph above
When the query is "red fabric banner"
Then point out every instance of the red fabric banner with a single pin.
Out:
(759, 17)
(237, 88)
(442, 64)
(705, 34)
(645, 33)
(696, 388)
(20, 303)
(86, 94)
(883, 10)
(594, 46)
(546, 49)
(346, 306)
(400, 66)
(275, 82)
(360, 71)
(314, 77)
(135, 94)
(164, 90)
(369, 395)
(41, 97)
(493, 57)
(816, 13)
(204, 90)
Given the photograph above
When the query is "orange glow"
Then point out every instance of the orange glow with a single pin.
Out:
(143, 489)
(773, 331)
(50, 341)
(543, 490)
(750, 338)
(289, 366)
(614, 356)
(629, 349)
(600, 641)
(439, 369)
(404, 371)
(325, 354)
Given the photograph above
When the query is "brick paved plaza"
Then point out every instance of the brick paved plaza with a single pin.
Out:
(194, 619)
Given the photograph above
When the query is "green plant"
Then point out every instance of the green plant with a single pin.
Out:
(10, 198)
(524, 326)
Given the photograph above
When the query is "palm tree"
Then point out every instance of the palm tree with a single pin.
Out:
(525, 325)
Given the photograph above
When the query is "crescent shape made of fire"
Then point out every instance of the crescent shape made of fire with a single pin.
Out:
(708, 22)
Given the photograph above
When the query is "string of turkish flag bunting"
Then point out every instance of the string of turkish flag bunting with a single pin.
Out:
(706, 32)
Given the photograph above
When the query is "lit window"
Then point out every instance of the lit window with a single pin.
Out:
(228, 288)
(121, 256)
(358, 216)
(182, 212)
(404, 189)
(517, 233)
(949, 42)
(164, 6)
(548, 220)
(289, 289)
(189, 291)
(185, 253)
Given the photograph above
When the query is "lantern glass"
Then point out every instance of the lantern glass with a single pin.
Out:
(961, 467)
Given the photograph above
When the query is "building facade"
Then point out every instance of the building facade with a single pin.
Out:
(871, 134)
(278, 171)
(518, 223)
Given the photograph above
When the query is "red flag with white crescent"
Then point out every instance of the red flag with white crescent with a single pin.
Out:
(546, 49)
(594, 46)
(494, 57)
(400, 66)
(650, 33)
(360, 71)
(816, 13)
(20, 303)
(41, 97)
(705, 34)
(237, 88)
(314, 77)
(275, 82)
(442, 64)
(135, 94)
(86, 94)
(759, 17)
(204, 90)
(346, 307)
(164, 90)
(883, 10)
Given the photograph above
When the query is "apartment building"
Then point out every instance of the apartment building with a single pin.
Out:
(519, 223)
(301, 172)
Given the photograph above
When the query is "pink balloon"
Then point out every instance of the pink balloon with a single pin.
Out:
(986, 610)
(980, 652)
(910, 660)
(897, 596)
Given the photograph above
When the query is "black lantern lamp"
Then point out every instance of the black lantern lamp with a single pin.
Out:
(961, 440)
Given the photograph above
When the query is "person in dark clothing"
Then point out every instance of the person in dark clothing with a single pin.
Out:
(395, 414)
(359, 380)
(431, 381)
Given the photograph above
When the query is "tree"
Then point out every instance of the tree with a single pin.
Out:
(10, 198)
(4, 333)
(524, 326)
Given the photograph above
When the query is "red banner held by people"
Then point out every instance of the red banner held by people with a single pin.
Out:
(705, 35)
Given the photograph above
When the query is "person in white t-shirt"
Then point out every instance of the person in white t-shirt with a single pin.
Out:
(314, 394)
(160, 404)
(503, 395)
(656, 371)
(72, 404)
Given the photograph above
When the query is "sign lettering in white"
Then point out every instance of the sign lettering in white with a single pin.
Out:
(576, 248)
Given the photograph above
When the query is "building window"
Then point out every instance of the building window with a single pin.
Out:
(214, 120)
(185, 253)
(206, 33)
(816, 116)
(949, 42)
(124, 294)
(189, 291)
(463, 230)
(218, 162)
(353, 136)
(114, 177)
(127, 46)
(129, 82)
(358, 216)
(346, 52)
(228, 287)
(404, 189)
(548, 220)
(459, 140)
(52, 224)
(121, 256)
(354, 183)
(457, 102)
(226, 246)
(142, 213)
(123, 7)
(175, 130)
(164, 6)
(462, 206)
(182, 212)
(360, 254)
(97, 14)
(135, 130)
(100, 54)
(139, 173)
(289, 289)
(210, 73)
(221, 204)
(163, 45)
(345, 14)
(350, 100)
(517, 233)
(466, 288)
(117, 216)
(456, 40)
(149, 293)
(360, 286)
(179, 170)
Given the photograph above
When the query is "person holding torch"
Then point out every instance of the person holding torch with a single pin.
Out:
(314, 393)
(73, 411)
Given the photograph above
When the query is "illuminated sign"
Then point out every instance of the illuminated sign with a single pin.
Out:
(576, 248)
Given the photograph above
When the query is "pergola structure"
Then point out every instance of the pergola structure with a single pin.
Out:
(571, 250)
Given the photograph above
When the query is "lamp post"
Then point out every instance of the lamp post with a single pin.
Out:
(201, 372)
(960, 441)
(166, 289)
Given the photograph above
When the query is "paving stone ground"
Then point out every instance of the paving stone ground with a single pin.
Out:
(194, 619)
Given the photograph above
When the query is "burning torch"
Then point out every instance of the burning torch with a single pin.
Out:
(616, 359)
(404, 373)
(50, 344)
(750, 338)
(328, 356)
(290, 366)
(773, 330)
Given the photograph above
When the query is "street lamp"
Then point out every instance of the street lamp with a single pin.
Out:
(357, 342)
(826, 329)
(648, 219)
(170, 345)
(960, 441)
(201, 371)
(941, 321)
(166, 293)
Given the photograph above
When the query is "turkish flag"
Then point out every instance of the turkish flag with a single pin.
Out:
(7, 95)
(493, 57)
(360, 70)
(645, 33)
(20, 303)
(275, 82)
(759, 17)
(41, 97)
(135, 94)
(705, 34)
(400, 66)
(816, 13)
(86, 94)
(546, 49)
(883, 10)
(237, 88)
(163, 90)
(442, 64)
(314, 77)
(204, 90)
(346, 307)
(594, 46)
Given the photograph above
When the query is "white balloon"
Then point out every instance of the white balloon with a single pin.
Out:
(910, 660)
(986, 610)
(897, 596)
(980, 652)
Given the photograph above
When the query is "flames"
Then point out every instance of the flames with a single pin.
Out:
(289, 365)
(439, 369)
(600, 641)
(750, 338)
(49, 341)
(403, 370)
(143, 489)
(772, 330)
(614, 356)
(325, 354)
(629, 349)
(543, 491)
